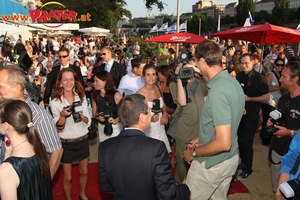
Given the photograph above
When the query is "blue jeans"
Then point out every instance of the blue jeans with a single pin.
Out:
(246, 133)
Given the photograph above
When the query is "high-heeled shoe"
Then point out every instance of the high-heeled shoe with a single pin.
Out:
(88, 198)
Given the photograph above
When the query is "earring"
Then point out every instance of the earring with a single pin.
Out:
(60, 85)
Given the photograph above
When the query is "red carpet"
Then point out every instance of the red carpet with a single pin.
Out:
(93, 190)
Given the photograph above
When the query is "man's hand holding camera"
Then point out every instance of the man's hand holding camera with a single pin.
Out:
(281, 132)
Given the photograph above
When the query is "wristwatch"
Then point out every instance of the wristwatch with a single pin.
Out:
(194, 153)
(177, 76)
(292, 133)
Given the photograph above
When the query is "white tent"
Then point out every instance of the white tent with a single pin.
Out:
(9, 29)
(60, 33)
(93, 30)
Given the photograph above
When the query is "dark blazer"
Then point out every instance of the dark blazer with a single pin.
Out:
(51, 79)
(117, 72)
(133, 166)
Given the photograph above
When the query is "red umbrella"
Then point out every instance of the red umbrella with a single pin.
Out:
(261, 34)
(183, 37)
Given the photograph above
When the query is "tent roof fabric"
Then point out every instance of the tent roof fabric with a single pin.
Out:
(8, 7)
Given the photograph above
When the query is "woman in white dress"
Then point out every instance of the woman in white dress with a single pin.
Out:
(155, 101)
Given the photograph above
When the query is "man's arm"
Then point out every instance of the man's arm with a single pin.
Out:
(122, 85)
(262, 98)
(54, 161)
(221, 143)
(165, 183)
(181, 96)
(103, 178)
(283, 177)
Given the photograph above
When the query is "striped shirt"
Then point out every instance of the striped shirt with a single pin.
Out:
(44, 124)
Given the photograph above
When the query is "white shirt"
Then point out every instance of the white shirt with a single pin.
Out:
(61, 67)
(72, 129)
(130, 84)
(55, 45)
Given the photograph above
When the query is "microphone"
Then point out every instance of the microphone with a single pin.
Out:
(156, 106)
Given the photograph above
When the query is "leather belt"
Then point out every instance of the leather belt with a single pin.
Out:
(74, 140)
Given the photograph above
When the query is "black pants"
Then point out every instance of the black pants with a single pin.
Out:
(246, 133)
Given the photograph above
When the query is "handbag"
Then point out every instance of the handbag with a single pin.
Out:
(173, 124)
(92, 134)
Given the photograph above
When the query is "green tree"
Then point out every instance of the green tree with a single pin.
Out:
(297, 15)
(262, 17)
(104, 13)
(292, 14)
(227, 20)
(242, 11)
(280, 12)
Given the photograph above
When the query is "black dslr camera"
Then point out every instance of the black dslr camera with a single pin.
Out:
(108, 130)
(75, 108)
(277, 118)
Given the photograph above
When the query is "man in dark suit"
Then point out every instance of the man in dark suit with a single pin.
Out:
(133, 166)
(64, 58)
(116, 70)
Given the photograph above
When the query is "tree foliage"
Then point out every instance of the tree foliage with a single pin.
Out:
(280, 11)
(242, 10)
(262, 17)
(201, 22)
(297, 15)
(104, 13)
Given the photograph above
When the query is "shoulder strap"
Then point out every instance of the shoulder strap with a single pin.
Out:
(161, 94)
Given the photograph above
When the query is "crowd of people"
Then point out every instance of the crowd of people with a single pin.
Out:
(149, 117)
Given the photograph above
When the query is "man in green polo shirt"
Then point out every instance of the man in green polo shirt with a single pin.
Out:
(214, 154)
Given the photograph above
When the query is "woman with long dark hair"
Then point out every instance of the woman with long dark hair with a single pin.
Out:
(165, 75)
(275, 93)
(70, 112)
(105, 99)
(25, 173)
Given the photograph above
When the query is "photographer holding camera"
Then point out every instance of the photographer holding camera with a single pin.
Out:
(70, 112)
(190, 99)
(289, 103)
(105, 99)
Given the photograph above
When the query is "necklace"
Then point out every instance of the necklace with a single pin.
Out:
(17, 145)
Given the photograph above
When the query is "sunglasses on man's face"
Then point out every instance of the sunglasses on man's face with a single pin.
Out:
(280, 65)
(63, 56)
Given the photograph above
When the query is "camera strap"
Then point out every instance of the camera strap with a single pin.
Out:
(296, 166)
